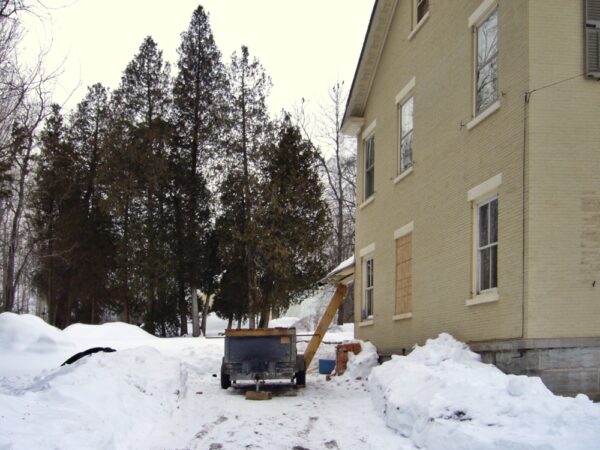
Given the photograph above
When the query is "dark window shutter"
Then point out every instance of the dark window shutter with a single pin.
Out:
(592, 38)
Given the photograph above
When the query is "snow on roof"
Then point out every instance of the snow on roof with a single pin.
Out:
(343, 271)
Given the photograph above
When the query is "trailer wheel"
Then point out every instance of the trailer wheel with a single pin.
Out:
(225, 378)
(301, 378)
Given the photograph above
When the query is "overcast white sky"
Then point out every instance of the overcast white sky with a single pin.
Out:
(304, 45)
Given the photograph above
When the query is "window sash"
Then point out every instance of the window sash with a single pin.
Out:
(367, 311)
(369, 166)
(487, 245)
(486, 64)
(406, 123)
(421, 9)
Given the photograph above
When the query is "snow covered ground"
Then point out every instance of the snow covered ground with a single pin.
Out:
(165, 394)
(157, 393)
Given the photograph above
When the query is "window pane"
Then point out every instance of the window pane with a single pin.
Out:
(369, 167)
(487, 62)
(484, 269)
(494, 266)
(494, 221)
(406, 152)
(483, 225)
(487, 85)
(407, 117)
(369, 182)
(422, 8)
(487, 40)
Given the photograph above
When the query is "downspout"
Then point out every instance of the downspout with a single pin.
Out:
(527, 98)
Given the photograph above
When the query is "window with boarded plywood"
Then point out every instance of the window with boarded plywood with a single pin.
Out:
(404, 274)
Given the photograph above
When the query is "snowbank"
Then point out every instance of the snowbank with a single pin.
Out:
(106, 332)
(97, 402)
(25, 332)
(443, 397)
(359, 366)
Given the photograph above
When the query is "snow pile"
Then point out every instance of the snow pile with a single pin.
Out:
(97, 401)
(443, 397)
(310, 310)
(118, 331)
(29, 333)
(359, 366)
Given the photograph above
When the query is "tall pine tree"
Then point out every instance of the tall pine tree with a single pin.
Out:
(198, 93)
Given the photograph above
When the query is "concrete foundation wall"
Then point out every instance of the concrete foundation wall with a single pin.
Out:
(566, 366)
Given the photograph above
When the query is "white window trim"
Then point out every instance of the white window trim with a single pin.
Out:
(406, 91)
(365, 251)
(402, 316)
(401, 97)
(418, 26)
(484, 115)
(485, 189)
(475, 20)
(365, 323)
(404, 174)
(481, 13)
(368, 131)
(367, 202)
(368, 134)
(367, 257)
(404, 230)
(475, 196)
(488, 296)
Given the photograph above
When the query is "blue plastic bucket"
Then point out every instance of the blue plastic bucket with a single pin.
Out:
(326, 366)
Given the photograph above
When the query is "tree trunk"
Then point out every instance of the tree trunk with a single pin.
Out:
(205, 312)
(195, 318)
(9, 273)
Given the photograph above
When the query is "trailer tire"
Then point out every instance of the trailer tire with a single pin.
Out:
(225, 378)
(301, 378)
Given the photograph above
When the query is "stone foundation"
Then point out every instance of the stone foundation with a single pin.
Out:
(567, 366)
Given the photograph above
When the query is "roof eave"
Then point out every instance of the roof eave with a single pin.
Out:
(379, 25)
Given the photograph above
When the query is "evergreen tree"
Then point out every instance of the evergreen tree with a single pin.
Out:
(142, 106)
(94, 252)
(57, 215)
(249, 130)
(198, 98)
(293, 222)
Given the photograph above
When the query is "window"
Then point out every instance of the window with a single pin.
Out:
(367, 307)
(487, 245)
(592, 38)
(420, 9)
(486, 65)
(369, 166)
(404, 274)
(406, 135)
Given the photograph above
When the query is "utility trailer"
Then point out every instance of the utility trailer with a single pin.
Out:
(261, 354)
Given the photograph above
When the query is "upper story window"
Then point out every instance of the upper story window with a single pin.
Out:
(406, 135)
(487, 245)
(369, 145)
(592, 38)
(420, 10)
(486, 70)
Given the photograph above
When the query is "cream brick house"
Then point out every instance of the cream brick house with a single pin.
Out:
(478, 125)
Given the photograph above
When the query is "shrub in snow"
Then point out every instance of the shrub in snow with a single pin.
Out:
(360, 365)
(443, 397)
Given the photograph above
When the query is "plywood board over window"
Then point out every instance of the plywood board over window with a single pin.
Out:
(404, 274)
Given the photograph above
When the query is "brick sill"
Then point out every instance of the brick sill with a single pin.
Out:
(484, 115)
(402, 316)
(418, 27)
(485, 297)
(404, 174)
(367, 202)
